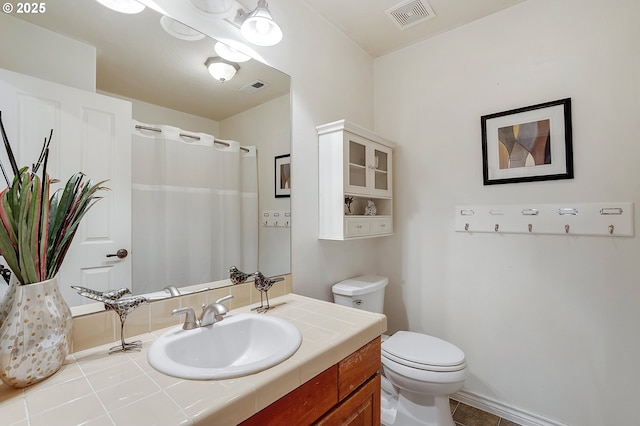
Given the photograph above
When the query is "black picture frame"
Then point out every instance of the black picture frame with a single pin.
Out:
(283, 176)
(528, 144)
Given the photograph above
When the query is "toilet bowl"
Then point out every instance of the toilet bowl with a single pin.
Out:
(419, 371)
(422, 371)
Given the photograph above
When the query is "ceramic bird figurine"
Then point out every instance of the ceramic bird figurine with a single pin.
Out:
(263, 284)
(122, 307)
(371, 209)
(237, 276)
(108, 295)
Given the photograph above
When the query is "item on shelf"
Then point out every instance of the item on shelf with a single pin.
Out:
(347, 202)
(371, 209)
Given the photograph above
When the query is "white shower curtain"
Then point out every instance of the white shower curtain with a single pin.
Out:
(194, 208)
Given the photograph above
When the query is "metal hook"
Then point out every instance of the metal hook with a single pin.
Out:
(530, 226)
(566, 229)
(611, 227)
(496, 227)
(466, 226)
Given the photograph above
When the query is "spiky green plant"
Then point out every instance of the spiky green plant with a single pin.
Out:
(36, 231)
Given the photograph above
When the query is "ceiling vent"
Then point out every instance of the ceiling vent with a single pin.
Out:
(254, 87)
(410, 13)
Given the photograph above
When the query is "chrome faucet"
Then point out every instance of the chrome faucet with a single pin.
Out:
(211, 314)
(214, 312)
(173, 291)
(190, 322)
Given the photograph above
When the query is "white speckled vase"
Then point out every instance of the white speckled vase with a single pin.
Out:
(35, 332)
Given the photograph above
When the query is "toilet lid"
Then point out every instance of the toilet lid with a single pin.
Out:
(423, 351)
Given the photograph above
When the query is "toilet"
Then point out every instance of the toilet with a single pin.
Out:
(419, 371)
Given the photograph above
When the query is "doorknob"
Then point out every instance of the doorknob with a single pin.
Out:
(120, 254)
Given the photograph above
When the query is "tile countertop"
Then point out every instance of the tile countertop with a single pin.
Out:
(94, 388)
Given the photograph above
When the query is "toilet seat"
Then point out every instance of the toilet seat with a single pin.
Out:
(423, 352)
(406, 377)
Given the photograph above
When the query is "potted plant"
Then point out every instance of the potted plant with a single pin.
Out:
(36, 231)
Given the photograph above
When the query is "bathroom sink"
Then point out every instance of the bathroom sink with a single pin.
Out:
(239, 345)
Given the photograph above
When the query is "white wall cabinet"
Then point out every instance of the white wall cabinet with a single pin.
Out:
(354, 163)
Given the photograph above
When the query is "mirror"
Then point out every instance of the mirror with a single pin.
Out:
(166, 80)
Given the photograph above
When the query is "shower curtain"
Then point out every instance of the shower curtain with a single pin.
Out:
(194, 208)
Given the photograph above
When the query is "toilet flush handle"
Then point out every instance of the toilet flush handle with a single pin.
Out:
(357, 302)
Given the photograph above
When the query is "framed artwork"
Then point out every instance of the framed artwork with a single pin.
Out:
(283, 175)
(528, 144)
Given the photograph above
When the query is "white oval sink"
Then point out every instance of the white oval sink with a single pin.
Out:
(239, 345)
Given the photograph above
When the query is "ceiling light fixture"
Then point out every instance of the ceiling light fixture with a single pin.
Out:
(220, 8)
(221, 69)
(180, 30)
(259, 28)
(123, 6)
(229, 53)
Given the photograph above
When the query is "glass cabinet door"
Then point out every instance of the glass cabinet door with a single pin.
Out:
(381, 167)
(380, 161)
(357, 165)
(368, 167)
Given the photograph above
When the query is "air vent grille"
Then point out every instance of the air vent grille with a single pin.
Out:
(410, 13)
(254, 86)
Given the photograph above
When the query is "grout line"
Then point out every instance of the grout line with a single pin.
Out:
(457, 405)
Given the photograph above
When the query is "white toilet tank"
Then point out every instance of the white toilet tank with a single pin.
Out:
(364, 292)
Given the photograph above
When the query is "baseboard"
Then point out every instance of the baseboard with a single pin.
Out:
(505, 411)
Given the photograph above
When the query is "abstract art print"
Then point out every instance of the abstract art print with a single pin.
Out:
(283, 175)
(528, 144)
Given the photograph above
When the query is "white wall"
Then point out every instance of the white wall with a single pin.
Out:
(49, 55)
(549, 324)
(267, 126)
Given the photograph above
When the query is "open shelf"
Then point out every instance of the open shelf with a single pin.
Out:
(383, 206)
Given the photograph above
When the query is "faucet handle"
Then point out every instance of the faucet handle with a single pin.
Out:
(218, 302)
(190, 321)
(224, 299)
(214, 312)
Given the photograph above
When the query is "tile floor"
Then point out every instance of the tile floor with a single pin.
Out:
(465, 415)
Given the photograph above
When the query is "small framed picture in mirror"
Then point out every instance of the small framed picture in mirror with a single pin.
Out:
(283, 175)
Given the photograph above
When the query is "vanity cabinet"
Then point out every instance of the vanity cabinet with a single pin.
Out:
(347, 393)
(355, 164)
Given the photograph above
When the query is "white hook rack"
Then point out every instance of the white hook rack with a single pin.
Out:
(597, 219)
(276, 218)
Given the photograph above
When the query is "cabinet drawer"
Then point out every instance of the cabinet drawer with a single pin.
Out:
(358, 367)
(381, 226)
(355, 227)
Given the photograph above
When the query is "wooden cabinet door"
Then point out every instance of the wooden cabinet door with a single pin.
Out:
(303, 405)
(360, 409)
